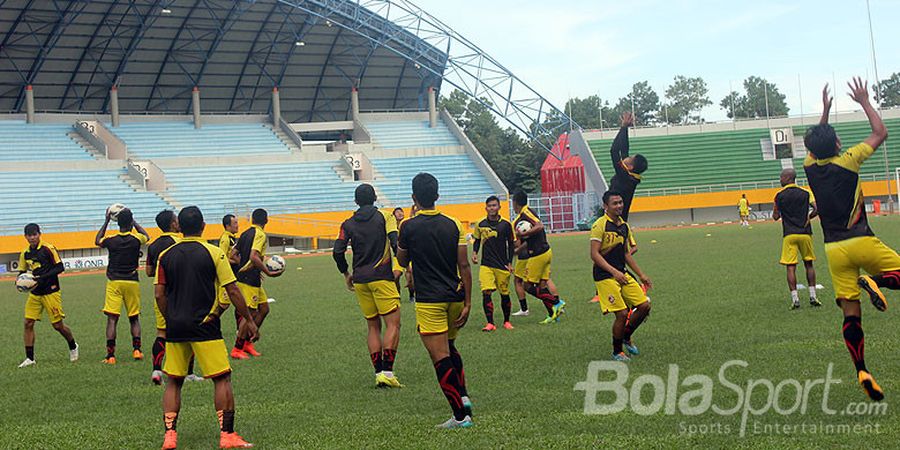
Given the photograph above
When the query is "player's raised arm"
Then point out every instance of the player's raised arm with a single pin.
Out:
(619, 148)
(102, 232)
(859, 92)
(827, 100)
(141, 230)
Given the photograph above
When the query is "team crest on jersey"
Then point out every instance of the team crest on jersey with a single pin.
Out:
(611, 299)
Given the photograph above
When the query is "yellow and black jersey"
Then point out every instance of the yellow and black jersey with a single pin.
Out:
(497, 238)
(192, 272)
(835, 184)
(124, 255)
(226, 243)
(536, 243)
(615, 241)
(254, 238)
(793, 204)
(432, 240)
(158, 246)
(43, 262)
(367, 232)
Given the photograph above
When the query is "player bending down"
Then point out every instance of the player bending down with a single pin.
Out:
(617, 289)
(792, 206)
(850, 244)
(373, 235)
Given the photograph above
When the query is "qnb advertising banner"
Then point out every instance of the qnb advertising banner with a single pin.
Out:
(81, 263)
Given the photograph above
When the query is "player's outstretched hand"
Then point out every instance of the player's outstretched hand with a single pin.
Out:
(859, 90)
(349, 280)
(627, 119)
(249, 330)
(274, 274)
(645, 280)
(463, 317)
(827, 99)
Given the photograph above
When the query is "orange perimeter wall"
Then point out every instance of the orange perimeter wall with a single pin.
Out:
(730, 198)
(318, 225)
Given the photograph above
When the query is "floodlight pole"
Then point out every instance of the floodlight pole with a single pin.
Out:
(887, 170)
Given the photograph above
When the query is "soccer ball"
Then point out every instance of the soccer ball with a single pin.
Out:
(114, 210)
(25, 282)
(523, 226)
(275, 263)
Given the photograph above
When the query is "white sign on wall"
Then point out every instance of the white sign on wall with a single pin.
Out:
(354, 160)
(81, 263)
(783, 141)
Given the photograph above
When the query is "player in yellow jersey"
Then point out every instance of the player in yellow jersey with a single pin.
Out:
(251, 247)
(494, 236)
(617, 289)
(42, 260)
(850, 244)
(792, 207)
(373, 236)
(744, 210)
(188, 276)
(122, 285)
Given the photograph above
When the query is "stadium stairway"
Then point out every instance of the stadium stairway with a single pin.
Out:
(39, 142)
(149, 140)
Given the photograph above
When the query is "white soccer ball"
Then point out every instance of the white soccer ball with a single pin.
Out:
(275, 263)
(523, 226)
(114, 210)
(25, 282)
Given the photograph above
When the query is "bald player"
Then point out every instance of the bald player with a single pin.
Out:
(795, 207)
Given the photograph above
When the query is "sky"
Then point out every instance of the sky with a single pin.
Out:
(578, 48)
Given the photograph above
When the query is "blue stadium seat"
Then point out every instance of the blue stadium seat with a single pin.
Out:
(71, 200)
(410, 134)
(176, 139)
(38, 142)
(460, 180)
(279, 188)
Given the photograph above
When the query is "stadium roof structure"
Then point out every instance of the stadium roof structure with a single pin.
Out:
(314, 51)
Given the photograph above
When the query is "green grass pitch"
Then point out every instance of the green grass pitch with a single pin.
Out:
(717, 298)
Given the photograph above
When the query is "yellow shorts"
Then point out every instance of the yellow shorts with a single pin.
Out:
(616, 297)
(122, 291)
(492, 279)
(160, 320)
(437, 318)
(211, 355)
(519, 268)
(538, 267)
(254, 296)
(222, 296)
(36, 304)
(377, 298)
(794, 245)
(846, 257)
